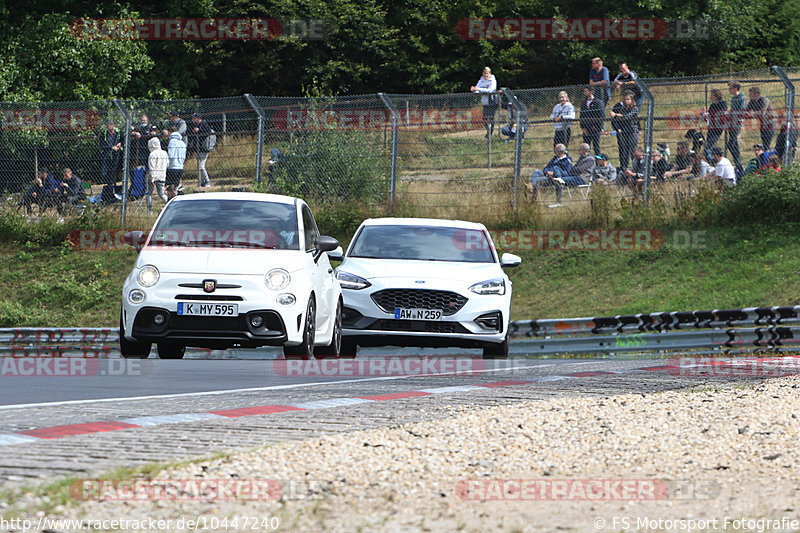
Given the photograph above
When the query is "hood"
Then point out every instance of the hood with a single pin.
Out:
(154, 144)
(176, 135)
(393, 268)
(217, 262)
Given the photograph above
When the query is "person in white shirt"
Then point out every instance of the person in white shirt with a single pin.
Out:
(157, 163)
(487, 84)
(724, 170)
(562, 116)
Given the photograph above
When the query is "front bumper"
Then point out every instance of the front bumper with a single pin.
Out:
(482, 319)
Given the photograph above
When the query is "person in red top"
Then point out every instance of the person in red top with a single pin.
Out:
(773, 166)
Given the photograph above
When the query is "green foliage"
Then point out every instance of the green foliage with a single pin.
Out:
(771, 198)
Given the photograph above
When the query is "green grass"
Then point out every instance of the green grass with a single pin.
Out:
(753, 266)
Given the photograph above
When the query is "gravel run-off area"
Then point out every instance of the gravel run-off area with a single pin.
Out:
(703, 459)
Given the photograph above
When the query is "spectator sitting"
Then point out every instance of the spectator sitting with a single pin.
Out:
(634, 177)
(682, 165)
(584, 165)
(510, 129)
(760, 160)
(723, 170)
(554, 173)
(44, 192)
(780, 142)
(604, 172)
(659, 166)
(700, 168)
(663, 149)
(71, 190)
(773, 166)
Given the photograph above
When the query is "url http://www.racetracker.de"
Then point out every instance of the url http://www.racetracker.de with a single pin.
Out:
(183, 524)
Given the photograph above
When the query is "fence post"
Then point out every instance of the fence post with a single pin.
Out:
(648, 137)
(393, 157)
(126, 159)
(260, 146)
(789, 98)
(521, 116)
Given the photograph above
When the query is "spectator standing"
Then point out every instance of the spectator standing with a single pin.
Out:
(554, 173)
(716, 116)
(157, 163)
(140, 137)
(593, 113)
(625, 120)
(599, 81)
(604, 172)
(761, 108)
(110, 142)
(562, 116)
(176, 152)
(734, 124)
(201, 133)
(487, 84)
(626, 80)
(180, 126)
(780, 141)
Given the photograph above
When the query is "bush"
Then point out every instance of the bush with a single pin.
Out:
(771, 198)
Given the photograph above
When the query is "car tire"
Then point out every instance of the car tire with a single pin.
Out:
(349, 349)
(131, 349)
(171, 350)
(334, 349)
(498, 350)
(304, 350)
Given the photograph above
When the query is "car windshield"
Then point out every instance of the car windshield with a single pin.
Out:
(423, 243)
(228, 223)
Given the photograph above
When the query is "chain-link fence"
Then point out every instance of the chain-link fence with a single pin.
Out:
(435, 155)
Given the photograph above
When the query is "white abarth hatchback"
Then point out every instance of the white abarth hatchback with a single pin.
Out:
(425, 282)
(220, 270)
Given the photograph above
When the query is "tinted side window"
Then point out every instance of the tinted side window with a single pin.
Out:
(309, 228)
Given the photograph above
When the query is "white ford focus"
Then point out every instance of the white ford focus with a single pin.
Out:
(425, 282)
(232, 269)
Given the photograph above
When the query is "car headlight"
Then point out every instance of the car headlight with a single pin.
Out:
(490, 286)
(351, 281)
(148, 276)
(277, 279)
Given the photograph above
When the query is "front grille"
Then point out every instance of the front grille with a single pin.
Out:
(389, 299)
(208, 297)
(423, 326)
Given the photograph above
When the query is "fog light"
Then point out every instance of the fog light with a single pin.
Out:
(159, 319)
(256, 321)
(286, 299)
(136, 296)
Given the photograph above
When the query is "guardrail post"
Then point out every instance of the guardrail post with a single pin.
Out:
(788, 156)
(126, 159)
(393, 154)
(648, 137)
(521, 116)
(260, 145)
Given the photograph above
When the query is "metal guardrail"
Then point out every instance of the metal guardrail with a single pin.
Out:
(723, 330)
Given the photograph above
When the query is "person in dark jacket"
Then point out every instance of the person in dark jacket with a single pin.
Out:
(200, 132)
(110, 142)
(716, 116)
(591, 119)
(625, 121)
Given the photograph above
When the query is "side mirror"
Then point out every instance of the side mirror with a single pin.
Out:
(324, 244)
(337, 254)
(510, 260)
(136, 239)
